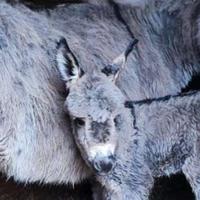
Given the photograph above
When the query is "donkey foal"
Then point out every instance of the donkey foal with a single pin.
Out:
(127, 148)
(96, 107)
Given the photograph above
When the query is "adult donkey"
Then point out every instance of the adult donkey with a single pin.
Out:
(35, 135)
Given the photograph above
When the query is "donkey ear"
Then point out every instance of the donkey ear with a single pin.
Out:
(67, 62)
(112, 70)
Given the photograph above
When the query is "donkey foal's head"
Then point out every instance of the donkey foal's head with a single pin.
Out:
(94, 103)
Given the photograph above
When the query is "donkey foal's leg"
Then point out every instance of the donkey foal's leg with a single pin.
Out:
(132, 183)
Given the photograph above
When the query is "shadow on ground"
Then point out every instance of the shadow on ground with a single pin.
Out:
(174, 188)
(12, 191)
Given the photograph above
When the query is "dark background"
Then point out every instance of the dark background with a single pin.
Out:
(173, 188)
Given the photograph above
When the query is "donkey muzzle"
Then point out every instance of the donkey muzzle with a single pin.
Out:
(104, 164)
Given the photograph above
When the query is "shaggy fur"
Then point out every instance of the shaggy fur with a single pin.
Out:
(165, 140)
(166, 56)
(36, 142)
(35, 139)
(93, 24)
(165, 60)
(168, 48)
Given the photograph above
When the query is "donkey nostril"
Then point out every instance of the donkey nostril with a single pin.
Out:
(96, 167)
(102, 166)
(106, 166)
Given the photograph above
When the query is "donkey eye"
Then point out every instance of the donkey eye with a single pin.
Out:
(79, 121)
(117, 120)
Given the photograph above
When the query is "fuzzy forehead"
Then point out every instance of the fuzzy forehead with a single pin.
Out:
(95, 97)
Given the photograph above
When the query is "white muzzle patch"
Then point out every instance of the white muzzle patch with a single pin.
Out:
(102, 150)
